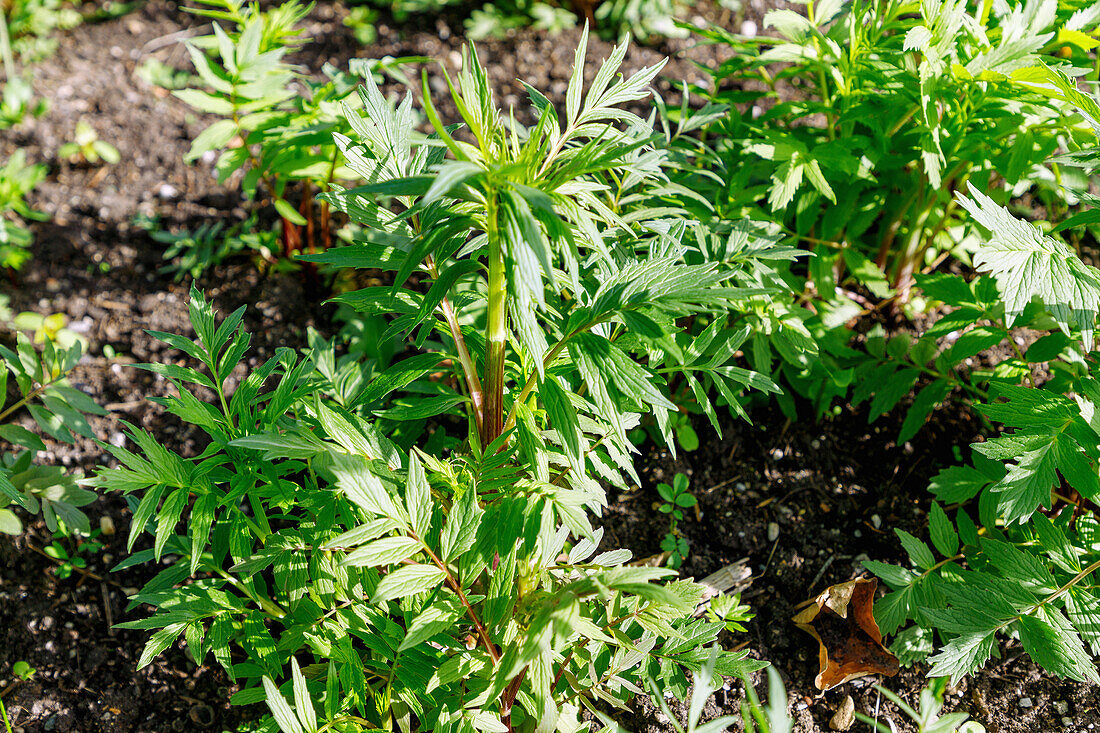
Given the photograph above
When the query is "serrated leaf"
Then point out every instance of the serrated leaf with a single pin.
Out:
(942, 532)
(406, 581)
(1028, 264)
(918, 552)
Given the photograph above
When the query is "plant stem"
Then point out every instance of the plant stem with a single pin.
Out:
(5, 51)
(509, 698)
(3, 712)
(496, 331)
(456, 586)
(469, 369)
(533, 379)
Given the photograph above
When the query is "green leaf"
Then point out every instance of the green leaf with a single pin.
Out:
(418, 497)
(386, 551)
(928, 399)
(1028, 264)
(288, 212)
(433, 620)
(944, 537)
(918, 552)
(406, 581)
(958, 484)
(280, 710)
(167, 519)
(460, 532)
(158, 642)
(1050, 640)
(360, 484)
(302, 702)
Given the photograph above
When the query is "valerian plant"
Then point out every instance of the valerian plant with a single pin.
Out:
(899, 103)
(1021, 555)
(356, 582)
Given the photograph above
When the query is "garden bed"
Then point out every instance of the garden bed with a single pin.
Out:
(833, 489)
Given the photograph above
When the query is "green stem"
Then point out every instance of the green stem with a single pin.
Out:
(32, 394)
(266, 605)
(5, 50)
(1055, 595)
(469, 369)
(496, 330)
(533, 379)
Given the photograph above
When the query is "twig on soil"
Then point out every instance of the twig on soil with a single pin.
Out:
(168, 40)
(10, 688)
(771, 554)
(720, 485)
(107, 609)
(822, 571)
(123, 406)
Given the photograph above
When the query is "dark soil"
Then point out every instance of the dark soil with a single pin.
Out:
(822, 484)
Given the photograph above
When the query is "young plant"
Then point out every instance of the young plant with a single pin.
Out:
(70, 558)
(460, 589)
(17, 180)
(57, 407)
(86, 147)
(927, 717)
(676, 498)
(23, 671)
(277, 138)
(771, 719)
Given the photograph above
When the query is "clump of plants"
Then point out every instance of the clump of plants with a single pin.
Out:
(38, 373)
(849, 130)
(354, 571)
(1013, 548)
(274, 135)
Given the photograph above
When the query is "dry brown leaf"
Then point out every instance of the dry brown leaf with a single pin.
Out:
(849, 641)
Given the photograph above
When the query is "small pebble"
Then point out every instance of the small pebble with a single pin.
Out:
(815, 443)
(749, 29)
(167, 191)
(1067, 721)
(739, 486)
(1025, 702)
(857, 534)
(777, 455)
(845, 714)
(106, 525)
(876, 521)
(1061, 707)
(773, 531)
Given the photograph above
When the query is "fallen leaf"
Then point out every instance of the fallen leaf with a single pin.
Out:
(849, 641)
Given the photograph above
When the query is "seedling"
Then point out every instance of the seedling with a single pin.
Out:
(23, 671)
(88, 148)
(69, 559)
(676, 498)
